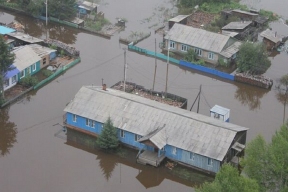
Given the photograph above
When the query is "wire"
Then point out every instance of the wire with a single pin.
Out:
(206, 100)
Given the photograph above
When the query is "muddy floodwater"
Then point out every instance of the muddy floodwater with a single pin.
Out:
(35, 156)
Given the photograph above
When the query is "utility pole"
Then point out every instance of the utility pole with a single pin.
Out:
(46, 3)
(199, 99)
(167, 65)
(155, 67)
(125, 65)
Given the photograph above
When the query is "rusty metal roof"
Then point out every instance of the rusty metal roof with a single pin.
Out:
(181, 128)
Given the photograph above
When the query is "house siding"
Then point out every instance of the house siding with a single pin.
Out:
(199, 160)
(26, 70)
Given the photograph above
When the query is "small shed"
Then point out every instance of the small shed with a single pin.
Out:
(182, 19)
(244, 15)
(238, 26)
(86, 7)
(23, 38)
(220, 113)
(77, 21)
(271, 39)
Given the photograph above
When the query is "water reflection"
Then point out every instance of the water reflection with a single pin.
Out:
(8, 132)
(33, 27)
(107, 162)
(63, 33)
(250, 96)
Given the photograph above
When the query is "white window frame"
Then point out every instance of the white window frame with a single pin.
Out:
(210, 162)
(192, 156)
(93, 124)
(137, 137)
(211, 56)
(172, 45)
(74, 118)
(184, 48)
(88, 122)
(22, 74)
(14, 79)
(174, 150)
(122, 134)
(29, 70)
(34, 67)
(198, 52)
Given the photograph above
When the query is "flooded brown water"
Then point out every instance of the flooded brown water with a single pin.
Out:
(33, 159)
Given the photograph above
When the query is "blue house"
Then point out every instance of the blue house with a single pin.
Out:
(11, 78)
(26, 61)
(157, 130)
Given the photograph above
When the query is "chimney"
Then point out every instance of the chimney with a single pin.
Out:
(104, 87)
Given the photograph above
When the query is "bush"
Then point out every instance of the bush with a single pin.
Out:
(29, 81)
(47, 72)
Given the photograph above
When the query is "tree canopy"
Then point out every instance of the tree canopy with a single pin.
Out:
(192, 3)
(267, 162)
(252, 58)
(6, 61)
(108, 138)
(228, 179)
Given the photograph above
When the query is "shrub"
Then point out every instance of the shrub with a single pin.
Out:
(29, 81)
(47, 72)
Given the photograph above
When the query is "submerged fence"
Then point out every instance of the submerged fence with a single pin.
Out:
(57, 73)
(183, 63)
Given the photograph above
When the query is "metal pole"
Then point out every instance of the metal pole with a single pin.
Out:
(46, 13)
(124, 69)
(199, 99)
(155, 67)
(167, 65)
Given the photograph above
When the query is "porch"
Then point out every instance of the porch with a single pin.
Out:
(151, 158)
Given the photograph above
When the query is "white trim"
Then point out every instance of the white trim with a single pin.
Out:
(184, 48)
(211, 56)
(198, 52)
(174, 150)
(122, 133)
(34, 66)
(15, 76)
(74, 118)
(192, 156)
(22, 75)
(172, 45)
(210, 162)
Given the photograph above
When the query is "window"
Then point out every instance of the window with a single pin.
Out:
(93, 124)
(210, 55)
(28, 70)
(198, 51)
(44, 61)
(6, 82)
(34, 67)
(88, 122)
(74, 118)
(174, 150)
(22, 74)
(137, 137)
(14, 79)
(210, 162)
(192, 156)
(184, 48)
(172, 45)
(122, 133)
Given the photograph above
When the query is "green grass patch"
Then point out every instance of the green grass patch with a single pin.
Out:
(47, 73)
(213, 7)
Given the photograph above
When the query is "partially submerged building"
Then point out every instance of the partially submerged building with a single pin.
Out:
(270, 39)
(23, 38)
(86, 7)
(157, 130)
(208, 46)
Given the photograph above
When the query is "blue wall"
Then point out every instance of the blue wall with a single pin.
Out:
(207, 70)
(52, 55)
(129, 139)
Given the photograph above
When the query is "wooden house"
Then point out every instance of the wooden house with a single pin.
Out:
(181, 19)
(157, 130)
(26, 61)
(208, 46)
(86, 7)
(270, 39)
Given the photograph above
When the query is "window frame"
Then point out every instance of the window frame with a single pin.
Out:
(171, 43)
(198, 52)
(137, 137)
(192, 156)
(14, 79)
(6, 83)
(34, 67)
(210, 162)
(211, 56)
(44, 61)
(93, 124)
(22, 74)
(185, 48)
(174, 150)
(28, 70)
(122, 133)
(74, 118)
(87, 122)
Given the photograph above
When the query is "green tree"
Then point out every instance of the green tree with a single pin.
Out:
(108, 138)
(6, 61)
(252, 58)
(282, 92)
(267, 162)
(190, 56)
(64, 9)
(228, 179)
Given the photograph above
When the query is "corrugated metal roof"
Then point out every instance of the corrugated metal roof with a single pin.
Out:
(25, 57)
(271, 35)
(231, 50)
(5, 30)
(199, 38)
(41, 50)
(178, 18)
(237, 25)
(183, 129)
(25, 37)
(220, 110)
(244, 12)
